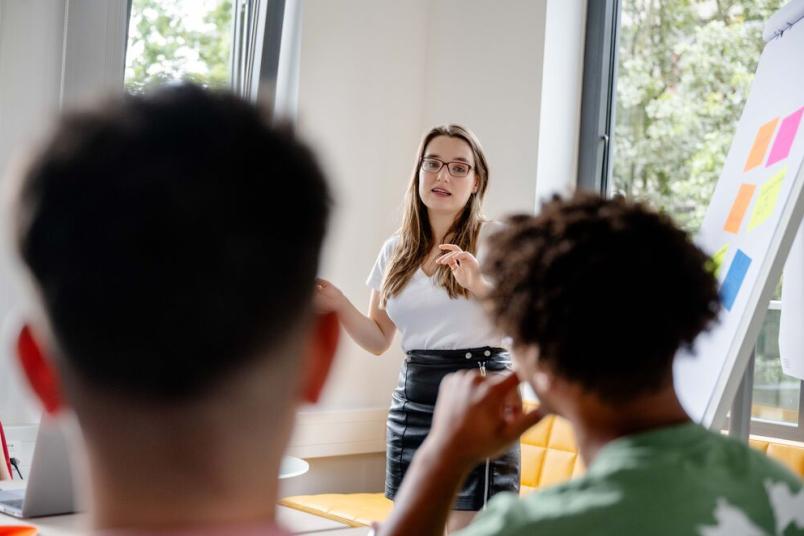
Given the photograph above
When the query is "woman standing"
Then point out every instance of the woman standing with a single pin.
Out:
(425, 283)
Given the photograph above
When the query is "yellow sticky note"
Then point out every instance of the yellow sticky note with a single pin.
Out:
(767, 199)
(717, 259)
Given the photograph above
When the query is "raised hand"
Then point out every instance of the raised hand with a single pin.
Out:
(478, 417)
(328, 297)
(465, 269)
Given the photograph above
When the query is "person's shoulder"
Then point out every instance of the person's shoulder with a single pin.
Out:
(392, 240)
(386, 251)
(577, 506)
(390, 244)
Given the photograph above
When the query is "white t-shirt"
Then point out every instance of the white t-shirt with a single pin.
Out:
(425, 315)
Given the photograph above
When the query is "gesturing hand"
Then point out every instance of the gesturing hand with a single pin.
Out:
(328, 298)
(464, 266)
(477, 417)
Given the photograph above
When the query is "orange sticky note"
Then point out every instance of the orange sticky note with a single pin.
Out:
(739, 207)
(761, 143)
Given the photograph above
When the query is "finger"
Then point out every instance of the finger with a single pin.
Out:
(446, 258)
(513, 402)
(450, 247)
(452, 378)
(463, 375)
(503, 384)
(522, 423)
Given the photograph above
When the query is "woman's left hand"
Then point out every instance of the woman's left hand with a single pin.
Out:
(465, 268)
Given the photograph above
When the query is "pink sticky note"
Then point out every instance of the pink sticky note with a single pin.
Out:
(785, 137)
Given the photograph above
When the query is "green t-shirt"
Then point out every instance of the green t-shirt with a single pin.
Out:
(678, 480)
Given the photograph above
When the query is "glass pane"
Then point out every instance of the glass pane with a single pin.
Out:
(776, 395)
(170, 40)
(685, 70)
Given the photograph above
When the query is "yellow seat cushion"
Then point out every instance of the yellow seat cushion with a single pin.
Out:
(353, 509)
(549, 456)
(788, 453)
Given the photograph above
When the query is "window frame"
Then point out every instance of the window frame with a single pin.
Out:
(597, 95)
(595, 157)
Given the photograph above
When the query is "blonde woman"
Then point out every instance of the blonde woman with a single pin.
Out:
(425, 283)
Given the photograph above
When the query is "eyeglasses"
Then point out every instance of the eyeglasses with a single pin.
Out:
(456, 169)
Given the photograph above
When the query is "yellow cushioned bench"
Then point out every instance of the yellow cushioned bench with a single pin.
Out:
(549, 456)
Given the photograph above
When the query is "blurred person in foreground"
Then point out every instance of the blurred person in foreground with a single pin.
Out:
(172, 241)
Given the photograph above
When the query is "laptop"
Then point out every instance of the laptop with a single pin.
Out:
(49, 487)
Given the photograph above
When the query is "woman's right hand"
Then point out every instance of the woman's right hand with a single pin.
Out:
(328, 297)
(374, 332)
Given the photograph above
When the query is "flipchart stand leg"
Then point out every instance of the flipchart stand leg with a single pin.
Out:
(740, 420)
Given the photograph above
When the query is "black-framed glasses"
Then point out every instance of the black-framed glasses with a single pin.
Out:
(456, 168)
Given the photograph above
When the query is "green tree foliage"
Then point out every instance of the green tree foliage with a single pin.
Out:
(685, 71)
(166, 44)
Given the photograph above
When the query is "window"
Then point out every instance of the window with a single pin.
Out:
(683, 73)
(171, 40)
(776, 396)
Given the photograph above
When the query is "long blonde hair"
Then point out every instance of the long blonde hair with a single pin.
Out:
(415, 235)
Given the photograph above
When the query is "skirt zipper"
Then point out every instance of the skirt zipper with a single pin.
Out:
(482, 366)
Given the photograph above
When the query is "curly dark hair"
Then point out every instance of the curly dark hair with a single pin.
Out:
(607, 289)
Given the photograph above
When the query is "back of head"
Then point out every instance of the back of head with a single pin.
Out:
(607, 289)
(172, 238)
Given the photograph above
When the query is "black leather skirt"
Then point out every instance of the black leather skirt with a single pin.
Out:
(411, 415)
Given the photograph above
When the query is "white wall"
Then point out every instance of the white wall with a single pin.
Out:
(375, 74)
(51, 52)
(361, 90)
(30, 85)
(483, 69)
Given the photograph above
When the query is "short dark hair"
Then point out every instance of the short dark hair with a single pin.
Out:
(172, 237)
(608, 290)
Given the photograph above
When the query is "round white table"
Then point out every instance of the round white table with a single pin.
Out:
(292, 466)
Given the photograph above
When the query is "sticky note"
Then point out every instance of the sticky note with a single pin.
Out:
(717, 260)
(785, 137)
(739, 207)
(766, 199)
(761, 143)
(734, 279)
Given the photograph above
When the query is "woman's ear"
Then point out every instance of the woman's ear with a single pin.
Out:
(41, 374)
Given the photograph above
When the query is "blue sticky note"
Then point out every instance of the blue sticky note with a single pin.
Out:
(734, 279)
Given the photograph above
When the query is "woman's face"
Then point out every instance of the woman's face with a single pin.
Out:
(447, 189)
